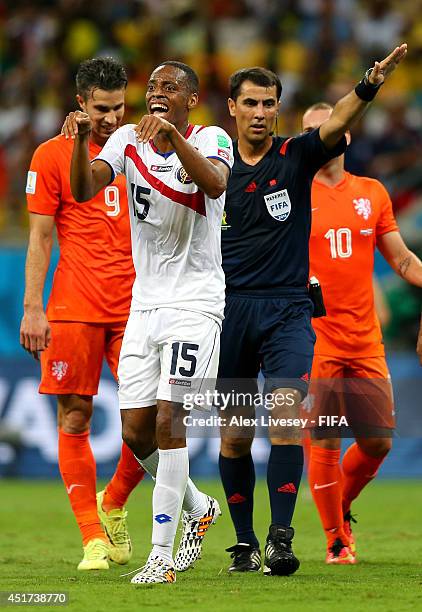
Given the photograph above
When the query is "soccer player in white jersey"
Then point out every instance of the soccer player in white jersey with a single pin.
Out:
(176, 176)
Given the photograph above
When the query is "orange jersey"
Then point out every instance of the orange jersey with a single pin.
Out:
(346, 222)
(94, 276)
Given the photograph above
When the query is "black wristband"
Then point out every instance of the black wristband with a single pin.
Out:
(365, 90)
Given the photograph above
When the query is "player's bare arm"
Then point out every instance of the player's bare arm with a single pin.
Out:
(419, 343)
(35, 334)
(86, 179)
(405, 263)
(211, 175)
(381, 307)
(351, 107)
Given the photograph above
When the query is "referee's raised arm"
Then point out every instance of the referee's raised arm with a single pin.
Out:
(352, 106)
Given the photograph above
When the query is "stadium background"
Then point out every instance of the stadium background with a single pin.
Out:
(320, 48)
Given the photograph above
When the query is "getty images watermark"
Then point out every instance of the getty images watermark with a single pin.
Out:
(267, 401)
(222, 401)
(281, 408)
(263, 421)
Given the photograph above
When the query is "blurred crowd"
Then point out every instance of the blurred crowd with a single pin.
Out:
(320, 49)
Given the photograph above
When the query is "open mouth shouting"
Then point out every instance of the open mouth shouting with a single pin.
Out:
(158, 108)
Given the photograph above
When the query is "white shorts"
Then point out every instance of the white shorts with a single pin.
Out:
(167, 354)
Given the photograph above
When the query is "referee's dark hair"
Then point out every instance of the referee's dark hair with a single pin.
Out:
(100, 73)
(257, 75)
(191, 76)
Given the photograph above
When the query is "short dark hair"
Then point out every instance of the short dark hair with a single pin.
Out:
(100, 73)
(257, 75)
(319, 106)
(191, 76)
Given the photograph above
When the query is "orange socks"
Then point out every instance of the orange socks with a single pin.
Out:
(325, 481)
(334, 487)
(77, 467)
(78, 470)
(358, 469)
(128, 474)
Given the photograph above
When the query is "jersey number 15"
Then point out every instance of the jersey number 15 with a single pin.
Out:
(139, 201)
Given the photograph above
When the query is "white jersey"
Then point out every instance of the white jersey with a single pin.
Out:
(176, 228)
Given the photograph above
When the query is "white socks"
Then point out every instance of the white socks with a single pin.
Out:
(150, 463)
(170, 484)
(195, 502)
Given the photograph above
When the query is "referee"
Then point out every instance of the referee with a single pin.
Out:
(267, 326)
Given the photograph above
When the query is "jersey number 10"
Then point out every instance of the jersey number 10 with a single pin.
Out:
(340, 242)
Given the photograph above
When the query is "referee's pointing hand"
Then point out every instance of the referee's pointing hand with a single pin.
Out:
(382, 70)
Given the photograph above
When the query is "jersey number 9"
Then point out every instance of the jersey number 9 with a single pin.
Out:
(112, 200)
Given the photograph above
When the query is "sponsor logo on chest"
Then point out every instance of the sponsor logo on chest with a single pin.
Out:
(278, 204)
(155, 168)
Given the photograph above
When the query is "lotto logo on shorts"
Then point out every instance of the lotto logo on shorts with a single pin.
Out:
(180, 382)
(155, 168)
(59, 369)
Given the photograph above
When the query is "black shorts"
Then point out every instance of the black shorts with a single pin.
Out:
(267, 332)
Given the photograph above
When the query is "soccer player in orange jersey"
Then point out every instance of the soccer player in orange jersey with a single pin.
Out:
(351, 215)
(87, 310)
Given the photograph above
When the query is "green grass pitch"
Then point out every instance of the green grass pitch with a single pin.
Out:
(40, 549)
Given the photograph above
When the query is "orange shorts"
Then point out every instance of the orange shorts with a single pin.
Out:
(73, 361)
(358, 389)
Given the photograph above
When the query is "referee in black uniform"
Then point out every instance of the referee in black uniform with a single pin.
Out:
(267, 326)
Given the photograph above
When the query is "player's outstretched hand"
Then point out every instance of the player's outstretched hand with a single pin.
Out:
(150, 125)
(419, 344)
(76, 122)
(35, 332)
(382, 70)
